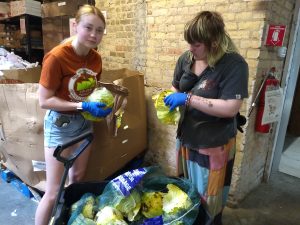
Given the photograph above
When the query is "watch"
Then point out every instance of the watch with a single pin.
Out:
(79, 108)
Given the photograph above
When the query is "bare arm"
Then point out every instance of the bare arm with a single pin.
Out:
(216, 107)
(48, 100)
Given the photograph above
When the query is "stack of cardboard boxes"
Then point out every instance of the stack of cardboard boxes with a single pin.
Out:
(21, 28)
(56, 20)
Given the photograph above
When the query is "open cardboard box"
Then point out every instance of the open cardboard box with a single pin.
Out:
(21, 130)
(29, 75)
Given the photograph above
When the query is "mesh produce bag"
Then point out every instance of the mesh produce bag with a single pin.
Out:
(126, 194)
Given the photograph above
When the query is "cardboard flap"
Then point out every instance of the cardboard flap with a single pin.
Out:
(120, 102)
(22, 122)
(116, 76)
(29, 75)
(115, 89)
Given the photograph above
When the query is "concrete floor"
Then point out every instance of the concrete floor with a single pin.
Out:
(15, 208)
(275, 203)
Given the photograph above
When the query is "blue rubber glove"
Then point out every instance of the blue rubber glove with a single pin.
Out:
(175, 99)
(96, 108)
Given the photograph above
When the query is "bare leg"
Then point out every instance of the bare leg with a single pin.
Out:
(77, 171)
(54, 171)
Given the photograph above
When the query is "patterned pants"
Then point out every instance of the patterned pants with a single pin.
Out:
(210, 170)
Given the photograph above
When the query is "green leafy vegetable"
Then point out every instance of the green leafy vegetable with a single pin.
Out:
(162, 111)
(175, 200)
(99, 95)
(80, 219)
(109, 216)
(130, 206)
(152, 203)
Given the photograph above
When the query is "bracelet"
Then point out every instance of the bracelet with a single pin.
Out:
(188, 99)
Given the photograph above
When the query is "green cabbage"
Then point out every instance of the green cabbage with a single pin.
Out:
(109, 216)
(86, 206)
(80, 219)
(175, 200)
(130, 205)
(152, 204)
(99, 95)
(163, 112)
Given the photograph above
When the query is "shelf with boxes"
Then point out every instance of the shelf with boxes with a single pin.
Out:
(56, 16)
(21, 29)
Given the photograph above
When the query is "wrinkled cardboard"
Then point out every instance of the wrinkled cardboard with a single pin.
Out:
(22, 126)
(21, 141)
(29, 75)
(112, 153)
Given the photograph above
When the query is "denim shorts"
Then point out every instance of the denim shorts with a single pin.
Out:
(60, 128)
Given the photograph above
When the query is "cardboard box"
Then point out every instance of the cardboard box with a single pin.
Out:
(25, 7)
(112, 153)
(4, 10)
(31, 75)
(55, 30)
(63, 8)
(21, 119)
(21, 139)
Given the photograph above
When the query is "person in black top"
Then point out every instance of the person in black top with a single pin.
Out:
(210, 83)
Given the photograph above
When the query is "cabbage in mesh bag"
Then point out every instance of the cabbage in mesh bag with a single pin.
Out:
(83, 211)
(163, 112)
(99, 95)
(174, 202)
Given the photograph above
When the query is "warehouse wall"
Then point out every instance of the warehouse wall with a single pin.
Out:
(147, 35)
(254, 161)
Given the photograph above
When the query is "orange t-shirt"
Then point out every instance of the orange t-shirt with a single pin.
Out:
(72, 77)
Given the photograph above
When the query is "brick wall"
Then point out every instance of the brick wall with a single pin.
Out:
(147, 35)
(256, 149)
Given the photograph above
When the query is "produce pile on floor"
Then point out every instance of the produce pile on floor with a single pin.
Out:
(143, 196)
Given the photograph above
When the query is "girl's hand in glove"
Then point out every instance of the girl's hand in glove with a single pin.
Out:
(96, 108)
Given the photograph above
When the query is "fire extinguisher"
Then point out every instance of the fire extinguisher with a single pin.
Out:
(269, 83)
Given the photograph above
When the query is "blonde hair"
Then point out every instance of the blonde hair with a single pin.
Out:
(89, 9)
(209, 28)
(86, 10)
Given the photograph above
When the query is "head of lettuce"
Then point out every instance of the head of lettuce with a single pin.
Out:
(99, 95)
(163, 112)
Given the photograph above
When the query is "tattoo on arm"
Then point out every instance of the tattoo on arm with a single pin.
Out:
(207, 102)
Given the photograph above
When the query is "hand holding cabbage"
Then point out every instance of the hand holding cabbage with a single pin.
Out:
(98, 105)
(97, 109)
(164, 114)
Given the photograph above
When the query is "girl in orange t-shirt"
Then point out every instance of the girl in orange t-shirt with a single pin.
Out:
(61, 91)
